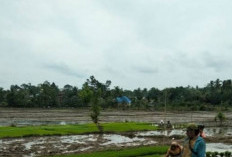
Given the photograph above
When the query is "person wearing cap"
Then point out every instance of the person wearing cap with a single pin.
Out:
(194, 145)
(174, 150)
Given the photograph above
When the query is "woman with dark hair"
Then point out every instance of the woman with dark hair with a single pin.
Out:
(194, 145)
(201, 131)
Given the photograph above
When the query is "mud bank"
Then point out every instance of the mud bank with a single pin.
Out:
(218, 139)
(51, 145)
(37, 146)
(21, 117)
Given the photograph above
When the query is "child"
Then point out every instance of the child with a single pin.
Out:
(174, 150)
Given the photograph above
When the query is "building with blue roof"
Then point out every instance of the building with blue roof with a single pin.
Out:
(123, 99)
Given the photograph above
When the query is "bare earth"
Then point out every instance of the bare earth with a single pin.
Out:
(37, 146)
(82, 116)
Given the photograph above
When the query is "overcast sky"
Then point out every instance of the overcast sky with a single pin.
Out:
(133, 43)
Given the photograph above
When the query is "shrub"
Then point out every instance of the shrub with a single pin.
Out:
(222, 154)
(227, 154)
(208, 154)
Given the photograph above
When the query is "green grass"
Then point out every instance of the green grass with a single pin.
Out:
(129, 126)
(72, 129)
(146, 151)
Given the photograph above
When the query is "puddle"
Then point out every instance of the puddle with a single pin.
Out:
(30, 155)
(36, 146)
(118, 139)
(76, 139)
(28, 145)
(219, 147)
(35, 123)
(217, 131)
(214, 131)
(48, 145)
(68, 144)
(159, 133)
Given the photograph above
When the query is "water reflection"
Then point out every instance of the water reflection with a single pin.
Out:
(219, 131)
(35, 123)
(79, 143)
(68, 144)
(213, 131)
(219, 147)
(118, 139)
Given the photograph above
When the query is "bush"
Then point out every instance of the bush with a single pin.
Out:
(208, 154)
(13, 124)
(227, 154)
(214, 154)
(222, 154)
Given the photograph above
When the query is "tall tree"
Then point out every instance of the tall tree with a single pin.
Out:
(95, 109)
(86, 94)
(2, 96)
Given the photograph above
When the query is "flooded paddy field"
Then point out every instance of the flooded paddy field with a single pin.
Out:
(51, 145)
(218, 138)
(22, 117)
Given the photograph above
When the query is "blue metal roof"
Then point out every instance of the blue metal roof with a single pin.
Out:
(123, 99)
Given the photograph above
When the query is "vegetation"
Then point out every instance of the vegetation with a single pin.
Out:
(95, 114)
(216, 94)
(221, 117)
(147, 151)
(215, 154)
(72, 129)
(93, 84)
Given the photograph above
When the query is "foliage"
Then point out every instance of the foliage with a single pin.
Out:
(221, 117)
(85, 94)
(216, 94)
(208, 154)
(46, 130)
(15, 131)
(222, 154)
(128, 126)
(155, 151)
(95, 111)
(215, 154)
(227, 154)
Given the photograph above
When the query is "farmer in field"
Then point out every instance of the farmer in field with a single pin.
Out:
(169, 125)
(174, 150)
(194, 145)
(161, 122)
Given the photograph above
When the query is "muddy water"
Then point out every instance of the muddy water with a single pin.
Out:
(219, 147)
(34, 146)
(219, 131)
(212, 131)
(34, 122)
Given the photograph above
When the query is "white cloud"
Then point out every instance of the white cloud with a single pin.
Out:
(134, 43)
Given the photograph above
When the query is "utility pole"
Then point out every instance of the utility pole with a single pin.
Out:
(165, 103)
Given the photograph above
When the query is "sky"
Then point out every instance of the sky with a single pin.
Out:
(133, 43)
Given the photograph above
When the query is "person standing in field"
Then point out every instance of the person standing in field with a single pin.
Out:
(194, 145)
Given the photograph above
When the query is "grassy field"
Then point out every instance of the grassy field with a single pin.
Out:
(146, 151)
(72, 129)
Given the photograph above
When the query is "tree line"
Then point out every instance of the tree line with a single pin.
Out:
(215, 94)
